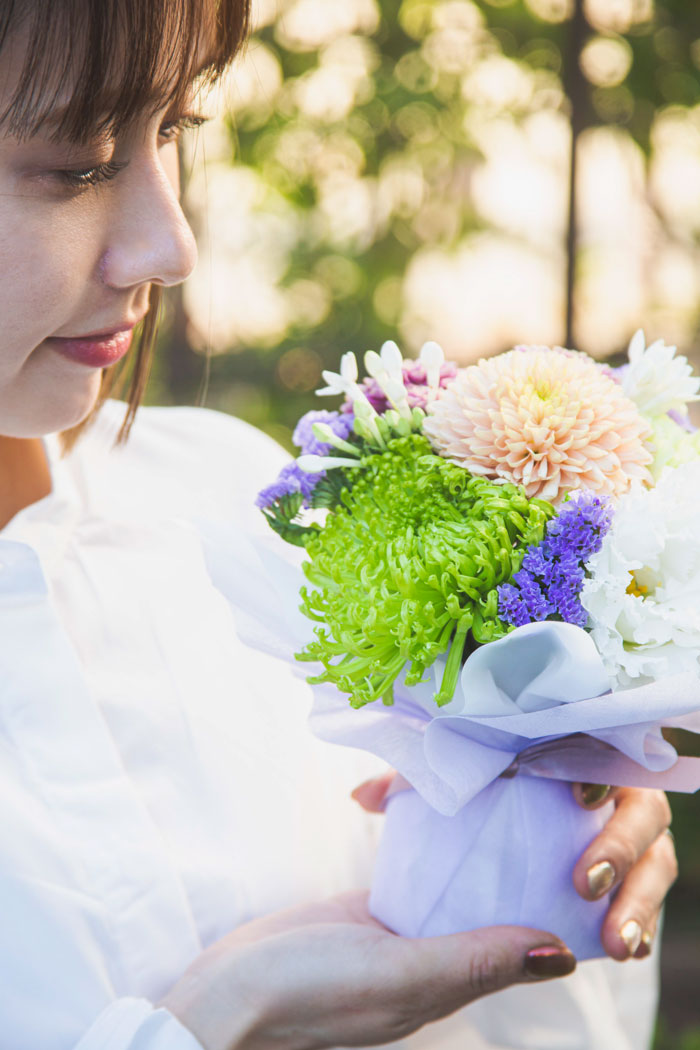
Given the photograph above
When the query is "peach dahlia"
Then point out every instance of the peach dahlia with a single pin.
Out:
(549, 420)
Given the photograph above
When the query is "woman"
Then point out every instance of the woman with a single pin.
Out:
(167, 821)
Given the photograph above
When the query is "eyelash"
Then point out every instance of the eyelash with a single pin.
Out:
(90, 177)
(174, 127)
(169, 132)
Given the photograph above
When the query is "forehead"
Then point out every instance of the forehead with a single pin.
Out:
(73, 68)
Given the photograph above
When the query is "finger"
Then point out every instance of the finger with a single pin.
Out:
(453, 970)
(372, 793)
(593, 796)
(648, 937)
(630, 924)
(639, 818)
(647, 943)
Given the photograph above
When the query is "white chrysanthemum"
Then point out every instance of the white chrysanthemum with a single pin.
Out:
(643, 595)
(656, 379)
(671, 445)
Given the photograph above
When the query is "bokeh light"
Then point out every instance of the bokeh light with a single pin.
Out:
(412, 179)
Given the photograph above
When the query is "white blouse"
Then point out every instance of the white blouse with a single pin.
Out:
(159, 784)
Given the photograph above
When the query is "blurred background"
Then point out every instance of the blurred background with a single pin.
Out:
(478, 173)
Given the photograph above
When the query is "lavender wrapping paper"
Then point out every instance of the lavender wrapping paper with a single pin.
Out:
(465, 846)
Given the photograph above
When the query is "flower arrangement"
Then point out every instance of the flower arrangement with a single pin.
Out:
(507, 558)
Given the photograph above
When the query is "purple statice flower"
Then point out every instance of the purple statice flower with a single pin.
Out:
(415, 380)
(305, 439)
(524, 603)
(291, 479)
(549, 581)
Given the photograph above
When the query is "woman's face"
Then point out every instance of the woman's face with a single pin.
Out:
(84, 231)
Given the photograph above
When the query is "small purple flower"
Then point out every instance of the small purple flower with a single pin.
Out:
(616, 374)
(305, 439)
(291, 479)
(682, 420)
(549, 581)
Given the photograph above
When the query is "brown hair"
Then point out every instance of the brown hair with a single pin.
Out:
(171, 44)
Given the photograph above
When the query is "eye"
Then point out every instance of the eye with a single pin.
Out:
(91, 176)
(170, 129)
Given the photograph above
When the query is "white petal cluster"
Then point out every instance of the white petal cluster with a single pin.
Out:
(671, 445)
(643, 594)
(343, 382)
(656, 379)
(386, 368)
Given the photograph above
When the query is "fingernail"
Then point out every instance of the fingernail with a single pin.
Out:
(549, 961)
(592, 794)
(645, 947)
(600, 878)
(631, 934)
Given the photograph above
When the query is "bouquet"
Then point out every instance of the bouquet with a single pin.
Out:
(503, 566)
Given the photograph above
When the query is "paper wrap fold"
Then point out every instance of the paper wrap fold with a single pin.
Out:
(487, 836)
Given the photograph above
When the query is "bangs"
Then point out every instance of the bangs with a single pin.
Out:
(92, 66)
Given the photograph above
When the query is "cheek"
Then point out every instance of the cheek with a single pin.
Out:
(48, 256)
(170, 161)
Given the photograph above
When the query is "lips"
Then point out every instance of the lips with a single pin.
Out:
(94, 351)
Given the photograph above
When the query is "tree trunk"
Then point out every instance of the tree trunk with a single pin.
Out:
(576, 88)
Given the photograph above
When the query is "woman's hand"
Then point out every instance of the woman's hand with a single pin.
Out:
(633, 854)
(329, 974)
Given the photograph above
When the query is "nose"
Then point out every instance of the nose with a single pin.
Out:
(150, 240)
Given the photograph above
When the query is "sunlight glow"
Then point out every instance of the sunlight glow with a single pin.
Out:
(464, 202)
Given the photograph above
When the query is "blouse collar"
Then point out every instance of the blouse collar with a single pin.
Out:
(47, 524)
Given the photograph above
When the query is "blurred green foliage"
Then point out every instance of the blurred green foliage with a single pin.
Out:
(686, 1040)
(390, 107)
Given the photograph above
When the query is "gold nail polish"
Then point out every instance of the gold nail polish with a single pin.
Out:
(646, 945)
(592, 794)
(631, 934)
(600, 878)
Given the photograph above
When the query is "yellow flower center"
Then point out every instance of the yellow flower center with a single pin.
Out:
(636, 588)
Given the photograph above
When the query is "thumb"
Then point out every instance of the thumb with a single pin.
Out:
(372, 794)
(461, 967)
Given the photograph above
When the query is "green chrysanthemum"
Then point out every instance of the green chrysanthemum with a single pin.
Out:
(408, 566)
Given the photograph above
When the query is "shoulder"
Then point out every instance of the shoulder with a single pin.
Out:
(188, 432)
(181, 460)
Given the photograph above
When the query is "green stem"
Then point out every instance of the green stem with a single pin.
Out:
(453, 667)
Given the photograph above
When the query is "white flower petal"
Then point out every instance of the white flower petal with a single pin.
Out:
(315, 464)
(348, 367)
(374, 364)
(392, 360)
(654, 543)
(656, 379)
(432, 358)
(637, 345)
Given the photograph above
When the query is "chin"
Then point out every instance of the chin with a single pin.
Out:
(60, 408)
(64, 413)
